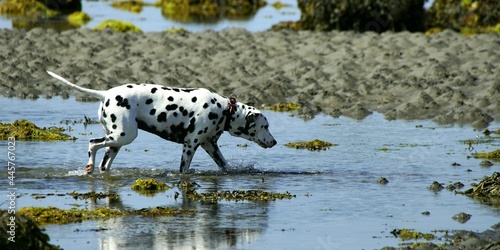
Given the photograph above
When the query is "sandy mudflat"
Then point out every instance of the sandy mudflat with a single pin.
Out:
(445, 77)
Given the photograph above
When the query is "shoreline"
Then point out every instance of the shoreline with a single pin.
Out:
(446, 77)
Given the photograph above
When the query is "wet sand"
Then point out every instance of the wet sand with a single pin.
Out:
(446, 77)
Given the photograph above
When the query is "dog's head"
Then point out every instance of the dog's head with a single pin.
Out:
(251, 124)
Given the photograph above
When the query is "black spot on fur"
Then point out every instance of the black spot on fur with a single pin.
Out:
(114, 126)
(165, 88)
(113, 117)
(213, 116)
(187, 90)
(213, 101)
(152, 111)
(191, 114)
(107, 103)
(185, 112)
(195, 140)
(88, 153)
(153, 90)
(171, 107)
(188, 152)
(162, 117)
(121, 102)
(111, 138)
(219, 106)
(170, 98)
(122, 133)
(149, 101)
(130, 86)
(175, 89)
(205, 105)
(104, 114)
(181, 109)
(194, 99)
(175, 114)
(97, 140)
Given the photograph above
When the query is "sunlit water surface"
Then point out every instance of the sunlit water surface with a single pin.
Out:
(338, 204)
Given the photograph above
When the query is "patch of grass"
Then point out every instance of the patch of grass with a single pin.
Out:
(119, 26)
(314, 145)
(238, 195)
(23, 130)
(283, 107)
(54, 215)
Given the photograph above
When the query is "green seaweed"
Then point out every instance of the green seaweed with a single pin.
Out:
(283, 107)
(238, 195)
(78, 18)
(209, 10)
(26, 8)
(314, 145)
(54, 215)
(493, 155)
(24, 130)
(409, 234)
(132, 5)
(93, 195)
(149, 187)
(119, 26)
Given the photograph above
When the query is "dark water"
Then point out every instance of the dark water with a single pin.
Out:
(339, 204)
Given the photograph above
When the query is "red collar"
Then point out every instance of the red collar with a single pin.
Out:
(231, 110)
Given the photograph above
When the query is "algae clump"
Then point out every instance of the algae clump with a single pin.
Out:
(54, 215)
(78, 18)
(238, 195)
(149, 186)
(26, 8)
(119, 26)
(488, 190)
(408, 234)
(132, 6)
(283, 107)
(24, 130)
(495, 155)
(314, 145)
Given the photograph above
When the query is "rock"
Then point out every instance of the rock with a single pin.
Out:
(382, 180)
(456, 185)
(361, 15)
(486, 163)
(459, 14)
(462, 217)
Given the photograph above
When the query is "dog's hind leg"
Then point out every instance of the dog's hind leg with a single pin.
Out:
(187, 156)
(109, 156)
(113, 142)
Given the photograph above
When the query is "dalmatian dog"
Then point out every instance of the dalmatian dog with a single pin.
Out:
(191, 116)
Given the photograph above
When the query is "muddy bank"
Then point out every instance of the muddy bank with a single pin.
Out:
(446, 77)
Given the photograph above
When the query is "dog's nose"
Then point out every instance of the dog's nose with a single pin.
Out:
(274, 142)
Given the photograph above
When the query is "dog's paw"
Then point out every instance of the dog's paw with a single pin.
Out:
(89, 168)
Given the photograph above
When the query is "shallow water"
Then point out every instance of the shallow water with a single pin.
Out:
(151, 19)
(338, 204)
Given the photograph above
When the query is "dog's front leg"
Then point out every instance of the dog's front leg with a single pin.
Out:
(187, 156)
(213, 150)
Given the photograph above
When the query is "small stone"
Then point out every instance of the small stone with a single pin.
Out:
(382, 180)
(456, 164)
(486, 163)
(435, 186)
(461, 217)
(456, 185)
(426, 213)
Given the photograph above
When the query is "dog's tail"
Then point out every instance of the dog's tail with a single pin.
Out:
(96, 93)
